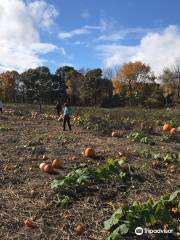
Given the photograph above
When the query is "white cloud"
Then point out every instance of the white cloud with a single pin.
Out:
(43, 13)
(20, 44)
(79, 43)
(91, 27)
(85, 14)
(62, 51)
(111, 37)
(158, 49)
(43, 48)
(104, 25)
(117, 35)
(113, 54)
(79, 31)
(107, 24)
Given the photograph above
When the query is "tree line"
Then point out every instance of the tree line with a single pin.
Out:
(131, 84)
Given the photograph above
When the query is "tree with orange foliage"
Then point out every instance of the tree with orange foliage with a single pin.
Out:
(0, 87)
(117, 87)
(132, 74)
(8, 85)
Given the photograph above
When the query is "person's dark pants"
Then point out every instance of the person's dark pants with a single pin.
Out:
(1, 110)
(58, 111)
(66, 119)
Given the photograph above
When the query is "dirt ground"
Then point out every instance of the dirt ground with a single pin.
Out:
(25, 191)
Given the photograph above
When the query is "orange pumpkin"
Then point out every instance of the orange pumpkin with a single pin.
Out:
(28, 222)
(173, 130)
(79, 229)
(48, 168)
(42, 165)
(166, 127)
(89, 152)
(57, 163)
(114, 134)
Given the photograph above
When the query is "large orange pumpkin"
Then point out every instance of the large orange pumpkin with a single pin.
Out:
(89, 152)
(114, 134)
(173, 130)
(48, 168)
(57, 163)
(166, 127)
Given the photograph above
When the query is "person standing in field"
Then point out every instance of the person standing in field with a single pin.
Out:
(1, 106)
(58, 108)
(67, 113)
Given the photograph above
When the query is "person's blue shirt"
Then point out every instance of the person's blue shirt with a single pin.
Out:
(67, 111)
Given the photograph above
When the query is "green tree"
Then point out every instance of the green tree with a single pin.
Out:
(155, 98)
(59, 89)
(64, 71)
(91, 86)
(167, 79)
(94, 88)
(37, 83)
(176, 71)
(73, 82)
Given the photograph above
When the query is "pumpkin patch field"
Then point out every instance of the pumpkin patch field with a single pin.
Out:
(118, 169)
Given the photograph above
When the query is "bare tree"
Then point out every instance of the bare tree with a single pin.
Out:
(108, 73)
(83, 71)
(167, 81)
(116, 69)
(176, 71)
(167, 77)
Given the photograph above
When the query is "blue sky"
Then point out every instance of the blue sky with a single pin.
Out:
(88, 34)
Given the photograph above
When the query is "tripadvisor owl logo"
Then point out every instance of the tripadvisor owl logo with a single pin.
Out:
(139, 231)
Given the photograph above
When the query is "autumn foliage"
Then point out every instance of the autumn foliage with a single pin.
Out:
(131, 84)
(7, 85)
(133, 72)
